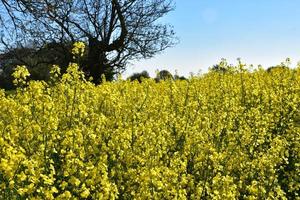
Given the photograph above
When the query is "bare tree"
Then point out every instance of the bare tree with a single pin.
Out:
(115, 31)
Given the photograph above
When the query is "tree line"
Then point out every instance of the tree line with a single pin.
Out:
(40, 62)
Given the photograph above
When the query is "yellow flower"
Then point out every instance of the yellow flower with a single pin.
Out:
(54, 72)
(20, 75)
(22, 176)
(74, 181)
(85, 193)
(216, 136)
(22, 191)
(78, 49)
(11, 184)
(63, 185)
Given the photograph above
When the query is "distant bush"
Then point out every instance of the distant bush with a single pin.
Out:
(177, 77)
(38, 61)
(163, 75)
(278, 67)
(139, 76)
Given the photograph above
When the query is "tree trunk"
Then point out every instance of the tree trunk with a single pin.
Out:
(97, 63)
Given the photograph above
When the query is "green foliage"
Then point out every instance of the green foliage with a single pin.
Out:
(223, 67)
(163, 75)
(139, 76)
(38, 62)
(177, 77)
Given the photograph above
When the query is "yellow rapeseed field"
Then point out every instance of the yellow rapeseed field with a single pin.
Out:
(233, 135)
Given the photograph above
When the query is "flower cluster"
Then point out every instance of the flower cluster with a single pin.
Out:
(78, 49)
(55, 73)
(20, 75)
(218, 136)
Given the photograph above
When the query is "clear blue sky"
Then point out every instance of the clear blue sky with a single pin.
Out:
(258, 31)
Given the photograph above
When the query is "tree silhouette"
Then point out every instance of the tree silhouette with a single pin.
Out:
(115, 31)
